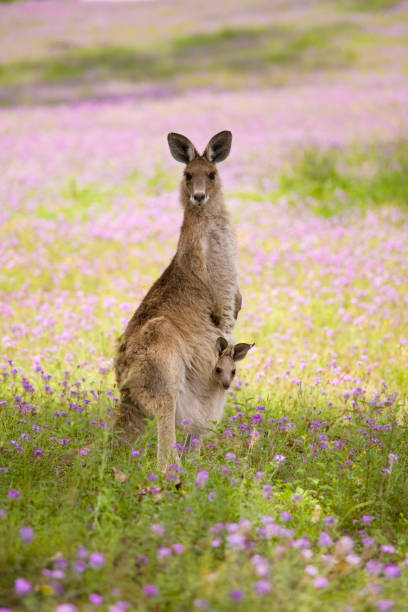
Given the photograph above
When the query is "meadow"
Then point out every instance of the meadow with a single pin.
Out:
(298, 499)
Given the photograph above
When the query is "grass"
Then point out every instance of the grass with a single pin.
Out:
(334, 180)
(371, 5)
(233, 51)
(104, 500)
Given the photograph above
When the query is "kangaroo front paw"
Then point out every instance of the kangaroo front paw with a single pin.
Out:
(215, 318)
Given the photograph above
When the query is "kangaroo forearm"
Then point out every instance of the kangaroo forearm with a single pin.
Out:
(238, 303)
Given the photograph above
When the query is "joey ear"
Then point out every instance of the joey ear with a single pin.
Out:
(181, 148)
(221, 345)
(240, 350)
(219, 147)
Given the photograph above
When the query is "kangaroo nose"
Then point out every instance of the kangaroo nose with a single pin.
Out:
(225, 385)
(199, 196)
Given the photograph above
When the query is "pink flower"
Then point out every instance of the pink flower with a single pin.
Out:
(178, 549)
(262, 587)
(366, 518)
(392, 570)
(321, 582)
(384, 605)
(202, 478)
(22, 587)
(325, 539)
(26, 534)
(97, 560)
(164, 552)
(388, 548)
(151, 590)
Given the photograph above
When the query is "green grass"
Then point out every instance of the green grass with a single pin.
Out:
(334, 181)
(227, 51)
(102, 501)
(368, 5)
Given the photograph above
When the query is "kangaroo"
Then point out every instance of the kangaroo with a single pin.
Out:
(228, 355)
(165, 357)
(223, 374)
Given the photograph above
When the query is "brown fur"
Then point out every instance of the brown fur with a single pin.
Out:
(165, 358)
(228, 355)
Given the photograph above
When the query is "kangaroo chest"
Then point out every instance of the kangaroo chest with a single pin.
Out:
(220, 256)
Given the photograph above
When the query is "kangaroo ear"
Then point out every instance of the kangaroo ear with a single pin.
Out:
(221, 345)
(181, 148)
(219, 147)
(240, 350)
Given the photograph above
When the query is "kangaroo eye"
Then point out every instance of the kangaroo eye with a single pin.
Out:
(218, 370)
(188, 176)
(233, 372)
(211, 176)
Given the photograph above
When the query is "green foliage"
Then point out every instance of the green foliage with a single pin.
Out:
(238, 51)
(333, 181)
(368, 5)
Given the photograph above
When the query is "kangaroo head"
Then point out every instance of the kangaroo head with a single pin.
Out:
(200, 180)
(225, 368)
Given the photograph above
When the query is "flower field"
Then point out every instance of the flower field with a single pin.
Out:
(298, 499)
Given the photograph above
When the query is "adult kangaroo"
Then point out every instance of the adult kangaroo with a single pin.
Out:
(165, 357)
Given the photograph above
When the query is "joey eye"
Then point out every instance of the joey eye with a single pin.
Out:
(188, 176)
(218, 370)
(211, 176)
(233, 372)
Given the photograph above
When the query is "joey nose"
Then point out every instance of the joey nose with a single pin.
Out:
(199, 196)
(225, 385)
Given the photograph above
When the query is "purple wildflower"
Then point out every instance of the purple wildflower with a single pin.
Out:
(392, 570)
(97, 560)
(26, 534)
(178, 548)
(384, 604)
(202, 478)
(325, 539)
(237, 540)
(388, 548)
(164, 552)
(22, 587)
(374, 568)
(151, 590)
(267, 491)
(366, 518)
(80, 566)
(262, 587)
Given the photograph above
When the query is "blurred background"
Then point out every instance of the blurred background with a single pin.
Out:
(71, 50)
